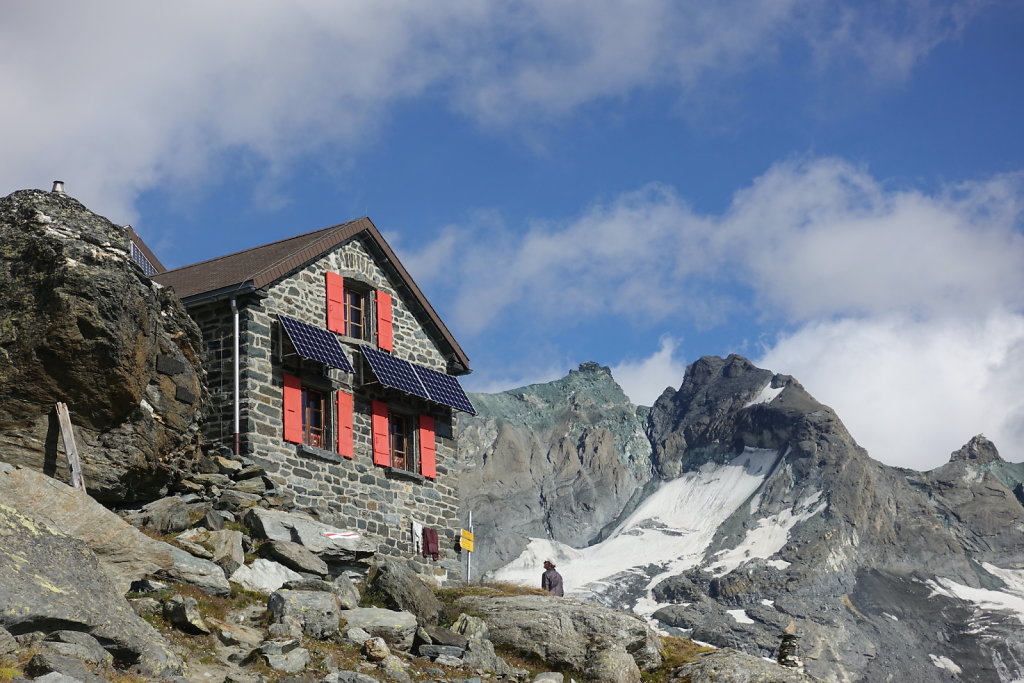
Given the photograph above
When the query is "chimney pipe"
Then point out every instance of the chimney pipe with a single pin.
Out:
(58, 187)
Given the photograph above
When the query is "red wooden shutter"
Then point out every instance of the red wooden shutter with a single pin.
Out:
(335, 303)
(428, 451)
(381, 437)
(346, 444)
(292, 409)
(384, 336)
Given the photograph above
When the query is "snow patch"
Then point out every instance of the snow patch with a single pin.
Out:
(890, 616)
(740, 616)
(767, 395)
(988, 600)
(1013, 579)
(768, 603)
(671, 529)
(946, 663)
(768, 537)
(778, 564)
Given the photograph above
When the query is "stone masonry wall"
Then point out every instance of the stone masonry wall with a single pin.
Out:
(350, 493)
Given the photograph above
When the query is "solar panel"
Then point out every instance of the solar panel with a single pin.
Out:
(394, 372)
(444, 389)
(315, 343)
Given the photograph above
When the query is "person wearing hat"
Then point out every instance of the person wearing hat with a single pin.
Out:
(551, 580)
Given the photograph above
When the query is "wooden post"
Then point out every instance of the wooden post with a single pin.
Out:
(70, 449)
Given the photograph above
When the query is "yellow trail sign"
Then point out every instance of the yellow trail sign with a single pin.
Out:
(466, 540)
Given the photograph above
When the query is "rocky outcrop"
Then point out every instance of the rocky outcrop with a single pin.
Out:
(399, 587)
(730, 666)
(124, 552)
(52, 582)
(561, 460)
(81, 324)
(563, 632)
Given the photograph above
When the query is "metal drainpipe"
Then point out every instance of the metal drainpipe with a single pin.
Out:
(237, 436)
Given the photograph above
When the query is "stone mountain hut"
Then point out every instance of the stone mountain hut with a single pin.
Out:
(328, 367)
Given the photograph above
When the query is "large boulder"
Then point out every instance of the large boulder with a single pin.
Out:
(730, 666)
(52, 582)
(562, 632)
(398, 629)
(398, 587)
(81, 324)
(333, 545)
(124, 552)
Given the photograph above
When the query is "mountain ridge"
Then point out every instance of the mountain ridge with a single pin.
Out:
(808, 531)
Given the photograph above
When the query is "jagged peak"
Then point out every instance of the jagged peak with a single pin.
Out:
(978, 451)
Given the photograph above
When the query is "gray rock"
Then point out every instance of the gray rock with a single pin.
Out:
(49, 578)
(400, 588)
(393, 669)
(317, 612)
(448, 660)
(480, 655)
(346, 591)
(564, 632)
(375, 649)
(83, 646)
(235, 634)
(548, 677)
(357, 635)
(284, 655)
(470, 627)
(435, 651)
(183, 614)
(237, 500)
(293, 556)
(396, 628)
(285, 526)
(612, 665)
(228, 553)
(264, 576)
(166, 515)
(53, 677)
(438, 635)
(91, 332)
(7, 642)
(348, 677)
(125, 553)
(729, 666)
(49, 662)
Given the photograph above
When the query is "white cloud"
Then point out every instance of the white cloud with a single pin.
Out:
(118, 97)
(644, 379)
(912, 391)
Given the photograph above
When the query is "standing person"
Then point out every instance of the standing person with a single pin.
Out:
(551, 580)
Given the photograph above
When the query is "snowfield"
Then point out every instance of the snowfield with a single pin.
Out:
(669, 532)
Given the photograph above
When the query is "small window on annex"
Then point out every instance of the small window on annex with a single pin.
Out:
(403, 441)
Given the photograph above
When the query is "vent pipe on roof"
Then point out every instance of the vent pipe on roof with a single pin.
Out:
(58, 187)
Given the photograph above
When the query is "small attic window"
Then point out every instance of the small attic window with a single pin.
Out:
(142, 262)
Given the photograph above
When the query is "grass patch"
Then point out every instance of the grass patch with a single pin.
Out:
(674, 652)
(499, 589)
(8, 673)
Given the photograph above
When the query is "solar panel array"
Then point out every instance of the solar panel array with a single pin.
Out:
(444, 389)
(395, 372)
(315, 343)
(417, 380)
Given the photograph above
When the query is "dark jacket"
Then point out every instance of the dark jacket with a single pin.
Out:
(551, 581)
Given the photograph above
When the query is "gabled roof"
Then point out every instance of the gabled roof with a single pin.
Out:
(260, 266)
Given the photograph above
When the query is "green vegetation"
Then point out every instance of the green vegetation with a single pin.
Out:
(675, 652)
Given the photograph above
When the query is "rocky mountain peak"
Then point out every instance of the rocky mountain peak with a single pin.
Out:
(977, 451)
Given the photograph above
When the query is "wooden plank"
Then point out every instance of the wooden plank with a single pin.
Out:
(70, 449)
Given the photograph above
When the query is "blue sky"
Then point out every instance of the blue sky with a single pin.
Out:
(833, 189)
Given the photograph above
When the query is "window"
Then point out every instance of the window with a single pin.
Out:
(403, 454)
(313, 422)
(402, 441)
(355, 314)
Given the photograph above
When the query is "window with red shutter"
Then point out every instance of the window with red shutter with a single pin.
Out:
(384, 318)
(346, 443)
(381, 436)
(428, 449)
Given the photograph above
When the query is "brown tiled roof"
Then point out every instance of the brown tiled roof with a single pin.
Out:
(260, 266)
